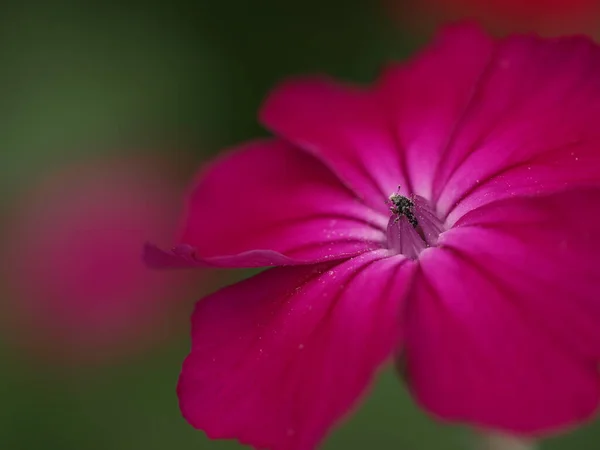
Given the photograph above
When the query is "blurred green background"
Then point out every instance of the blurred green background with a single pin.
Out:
(78, 79)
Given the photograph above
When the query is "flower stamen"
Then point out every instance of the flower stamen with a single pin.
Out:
(403, 206)
(413, 226)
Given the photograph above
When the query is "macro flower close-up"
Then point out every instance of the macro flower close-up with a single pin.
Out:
(445, 218)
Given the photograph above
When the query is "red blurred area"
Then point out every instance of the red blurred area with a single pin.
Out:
(78, 288)
(546, 17)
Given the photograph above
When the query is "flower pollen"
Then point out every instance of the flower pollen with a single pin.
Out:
(403, 206)
(413, 225)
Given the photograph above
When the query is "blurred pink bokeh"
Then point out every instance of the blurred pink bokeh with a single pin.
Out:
(547, 17)
(78, 288)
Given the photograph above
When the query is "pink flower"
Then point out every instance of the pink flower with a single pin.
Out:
(481, 273)
(79, 289)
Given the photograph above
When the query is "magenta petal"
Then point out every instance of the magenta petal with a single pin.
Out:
(514, 116)
(269, 203)
(429, 97)
(530, 128)
(185, 256)
(546, 249)
(345, 127)
(504, 331)
(279, 358)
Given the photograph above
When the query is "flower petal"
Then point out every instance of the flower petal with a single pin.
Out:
(345, 127)
(547, 249)
(279, 358)
(504, 330)
(508, 117)
(532, 128)
(268, 203)
(429, 98)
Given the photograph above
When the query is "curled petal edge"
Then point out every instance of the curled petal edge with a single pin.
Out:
(185, 256)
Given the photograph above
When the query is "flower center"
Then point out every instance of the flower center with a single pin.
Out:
(413, 225)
